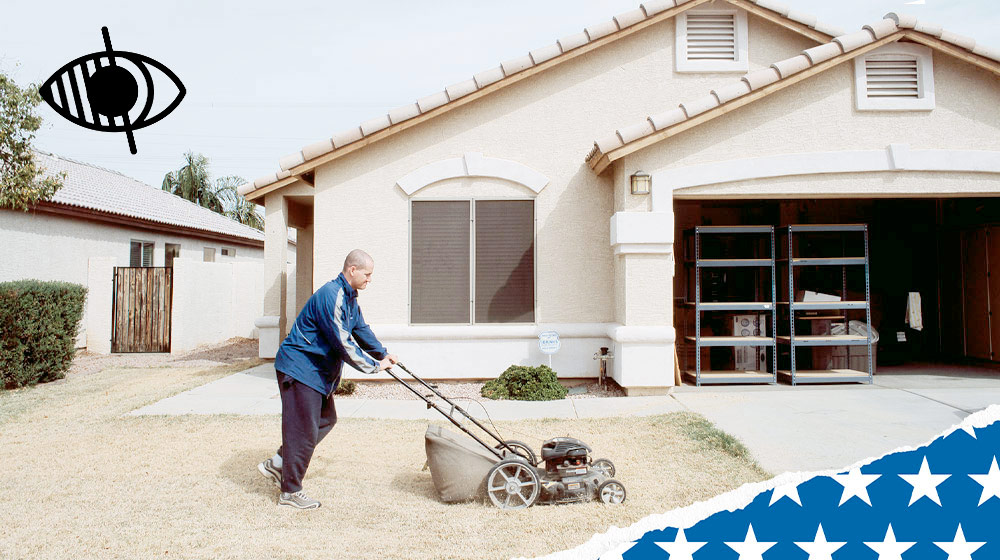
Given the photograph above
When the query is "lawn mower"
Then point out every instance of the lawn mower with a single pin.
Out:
(509, 473)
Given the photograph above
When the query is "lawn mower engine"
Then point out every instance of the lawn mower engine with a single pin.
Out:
(571, 476)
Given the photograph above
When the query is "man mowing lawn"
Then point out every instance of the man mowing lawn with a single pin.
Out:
(328, 332)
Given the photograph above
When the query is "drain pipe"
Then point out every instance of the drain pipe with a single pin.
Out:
(603, 356)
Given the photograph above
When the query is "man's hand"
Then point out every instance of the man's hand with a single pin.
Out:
(392, 358)
(385, 363)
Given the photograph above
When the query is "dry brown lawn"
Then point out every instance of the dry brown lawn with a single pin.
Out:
(80, 480)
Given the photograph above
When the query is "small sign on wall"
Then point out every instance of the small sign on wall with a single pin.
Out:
(548, 342)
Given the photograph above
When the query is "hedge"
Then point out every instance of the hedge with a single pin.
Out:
(525, 383)
(38, 327)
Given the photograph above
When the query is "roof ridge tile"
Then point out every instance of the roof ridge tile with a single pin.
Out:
(823, 52)
(654, 7)
(855, 40)
(603, 29)
(792, 65)
(882, 29)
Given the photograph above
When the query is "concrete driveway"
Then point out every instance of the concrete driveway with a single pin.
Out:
(819, 427)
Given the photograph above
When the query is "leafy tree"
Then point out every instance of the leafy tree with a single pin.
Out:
(193, 182)
(22, 183)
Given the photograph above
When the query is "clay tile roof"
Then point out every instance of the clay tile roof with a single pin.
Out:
(781, 70)
(907, 21)
(103, 190)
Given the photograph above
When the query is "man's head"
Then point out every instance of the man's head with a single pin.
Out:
(358, 267)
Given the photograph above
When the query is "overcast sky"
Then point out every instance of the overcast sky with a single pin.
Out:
(264, 79)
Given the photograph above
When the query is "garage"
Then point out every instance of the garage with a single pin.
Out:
(937, 248)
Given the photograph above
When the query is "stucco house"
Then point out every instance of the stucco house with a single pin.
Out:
(102, 215)
(557, 191)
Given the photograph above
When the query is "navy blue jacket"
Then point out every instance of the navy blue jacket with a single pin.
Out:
(328, 332)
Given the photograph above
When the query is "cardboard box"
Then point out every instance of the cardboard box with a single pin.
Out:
(750, 358)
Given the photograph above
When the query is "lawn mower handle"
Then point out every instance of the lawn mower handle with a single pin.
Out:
(447, 415)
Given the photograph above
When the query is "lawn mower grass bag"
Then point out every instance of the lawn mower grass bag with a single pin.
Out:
(459, 465)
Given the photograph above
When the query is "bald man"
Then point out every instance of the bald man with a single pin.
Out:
(329, 332)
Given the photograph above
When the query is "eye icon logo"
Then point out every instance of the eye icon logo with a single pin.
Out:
(109, 92)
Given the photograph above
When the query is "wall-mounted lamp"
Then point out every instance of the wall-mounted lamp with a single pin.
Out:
(641, 182)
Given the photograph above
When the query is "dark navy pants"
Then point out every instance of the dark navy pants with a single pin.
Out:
(306, 417)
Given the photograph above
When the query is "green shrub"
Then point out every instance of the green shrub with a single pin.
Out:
(38, 328)
(346, 387)
(524, 383)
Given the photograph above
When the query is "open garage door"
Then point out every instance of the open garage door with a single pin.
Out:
(940, 248)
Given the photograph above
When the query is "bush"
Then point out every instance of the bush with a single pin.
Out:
(525, 383)
(38, 327)
(346, 387)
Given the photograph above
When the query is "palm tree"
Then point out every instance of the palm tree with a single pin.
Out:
(194, 182)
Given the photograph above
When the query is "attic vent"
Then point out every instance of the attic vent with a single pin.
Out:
(711, 36)
(712, 41)
(896, 77)
(892, 77)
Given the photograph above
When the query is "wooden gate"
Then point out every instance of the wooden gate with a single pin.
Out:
(140, 318)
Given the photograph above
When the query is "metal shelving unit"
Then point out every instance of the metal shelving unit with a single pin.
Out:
(837, 375)
(734, 376)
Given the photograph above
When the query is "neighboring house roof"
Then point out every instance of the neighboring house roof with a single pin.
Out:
(109, 193)
(511, 71)
(760, 83)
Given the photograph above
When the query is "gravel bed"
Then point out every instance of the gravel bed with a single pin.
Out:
(455, 391)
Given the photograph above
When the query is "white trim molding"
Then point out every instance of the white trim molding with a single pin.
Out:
(741, 43)
(613, 331)
(896, 157)
(642, 232)
(472, 164)
(924, 101)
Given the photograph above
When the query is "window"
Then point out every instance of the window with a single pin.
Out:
(140, 253)
(228, 252)
(209, 254)
(472, 261)
(173, 251)
(712, 41)
(897, 77)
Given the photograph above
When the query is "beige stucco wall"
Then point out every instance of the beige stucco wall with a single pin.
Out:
(547, 122)
(214, 302)
(818, 115)
(51, 247)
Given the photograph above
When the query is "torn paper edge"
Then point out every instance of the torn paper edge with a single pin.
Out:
(612, 544)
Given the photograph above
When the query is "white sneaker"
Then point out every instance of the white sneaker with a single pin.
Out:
(297, 500)
(268, 469)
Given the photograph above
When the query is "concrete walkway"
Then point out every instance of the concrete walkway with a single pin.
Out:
(802, 428)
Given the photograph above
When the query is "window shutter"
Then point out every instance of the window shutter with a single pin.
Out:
(439, 281)
(711, 36)
(135, 254)
(892, 77)
(147, 254)
(505, 261)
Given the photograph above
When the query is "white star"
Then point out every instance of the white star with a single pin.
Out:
(819, 548)
(889, 549)
(990, 482)
(855, 484)
(750, 549)
(680, 549)
(958, 549)
(789, 490)
(924, 483)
